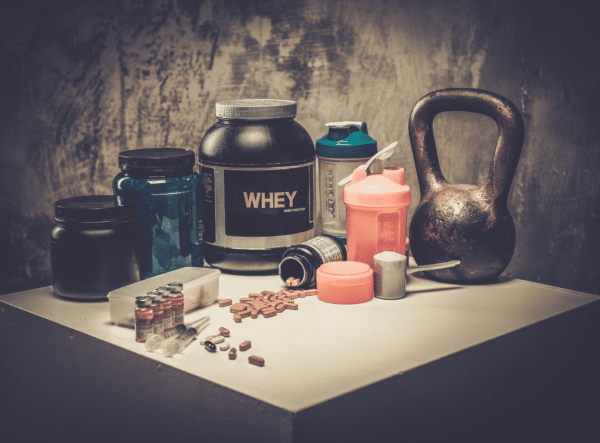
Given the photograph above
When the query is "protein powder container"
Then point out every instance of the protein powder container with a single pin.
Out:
(257, 173)
(93, 246)
(165, 189)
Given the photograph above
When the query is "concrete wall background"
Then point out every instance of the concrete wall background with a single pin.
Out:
(83, 80)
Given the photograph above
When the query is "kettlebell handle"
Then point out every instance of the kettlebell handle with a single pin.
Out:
(511, 134)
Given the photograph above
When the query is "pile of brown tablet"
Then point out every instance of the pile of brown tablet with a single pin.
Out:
(267, 303)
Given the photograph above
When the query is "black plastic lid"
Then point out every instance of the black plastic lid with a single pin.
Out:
(94, 209)
(157, 162)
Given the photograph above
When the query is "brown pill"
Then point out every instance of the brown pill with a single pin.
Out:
(291, 306)
(237, 318)
(245, 313)
(238, 307)
(244, 346)
(269, 313)
(254, 313)
(253, 295)
(224, 332)
(223, 303)
(256, 360)
(246, 300)
(232, 354)
(280, 307)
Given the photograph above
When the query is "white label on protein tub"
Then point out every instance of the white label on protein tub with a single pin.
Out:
(327, 249)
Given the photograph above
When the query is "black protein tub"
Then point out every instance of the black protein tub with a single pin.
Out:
(93, 246)
(257, 193)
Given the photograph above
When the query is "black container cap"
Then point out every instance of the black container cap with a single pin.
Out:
(157, 161)
(94, 209)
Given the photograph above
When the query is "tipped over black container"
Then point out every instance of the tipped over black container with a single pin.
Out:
(93, 246)
(302, 261)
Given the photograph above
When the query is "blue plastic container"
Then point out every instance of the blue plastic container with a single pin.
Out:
(164, 188)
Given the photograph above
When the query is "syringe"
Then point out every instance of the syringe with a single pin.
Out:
(178, 344)
(155, 341)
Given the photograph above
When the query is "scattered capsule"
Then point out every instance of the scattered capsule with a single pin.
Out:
(210, 346)
(256, 360)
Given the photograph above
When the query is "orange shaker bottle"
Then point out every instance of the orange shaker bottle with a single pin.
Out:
(376, 214)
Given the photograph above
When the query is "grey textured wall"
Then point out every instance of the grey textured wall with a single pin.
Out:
(81, 81)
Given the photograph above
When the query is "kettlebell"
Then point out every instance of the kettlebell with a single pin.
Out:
(464, 222)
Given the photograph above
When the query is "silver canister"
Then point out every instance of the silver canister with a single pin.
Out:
(389, 275)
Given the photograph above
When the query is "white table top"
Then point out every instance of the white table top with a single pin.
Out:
(322, 351)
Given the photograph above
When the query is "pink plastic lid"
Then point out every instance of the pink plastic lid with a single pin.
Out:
(377, 190)
(345, 282)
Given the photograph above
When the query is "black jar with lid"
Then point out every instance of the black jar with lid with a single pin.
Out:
(93, 246)
(257, 184)
(302, 261)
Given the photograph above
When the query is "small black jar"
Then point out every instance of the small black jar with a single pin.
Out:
(302, 261)
(93, 246)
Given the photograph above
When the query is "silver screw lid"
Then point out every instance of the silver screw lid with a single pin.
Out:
(256, 109)
(155, 295)
(175, 287)
(143, 300)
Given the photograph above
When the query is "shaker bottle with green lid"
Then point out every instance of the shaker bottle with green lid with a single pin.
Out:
(346, 147)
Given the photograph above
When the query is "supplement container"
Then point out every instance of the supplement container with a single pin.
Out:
(158, 310)
(177, 302)
(376, 214)
(165, 188)
(144, 319)
(346, 147)
(345, 283)
(93, 246)
(257, 172)
(389, 275)
(302, 261)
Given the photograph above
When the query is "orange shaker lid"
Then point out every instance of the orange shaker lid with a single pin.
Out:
(345, 282)
(387, 189)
